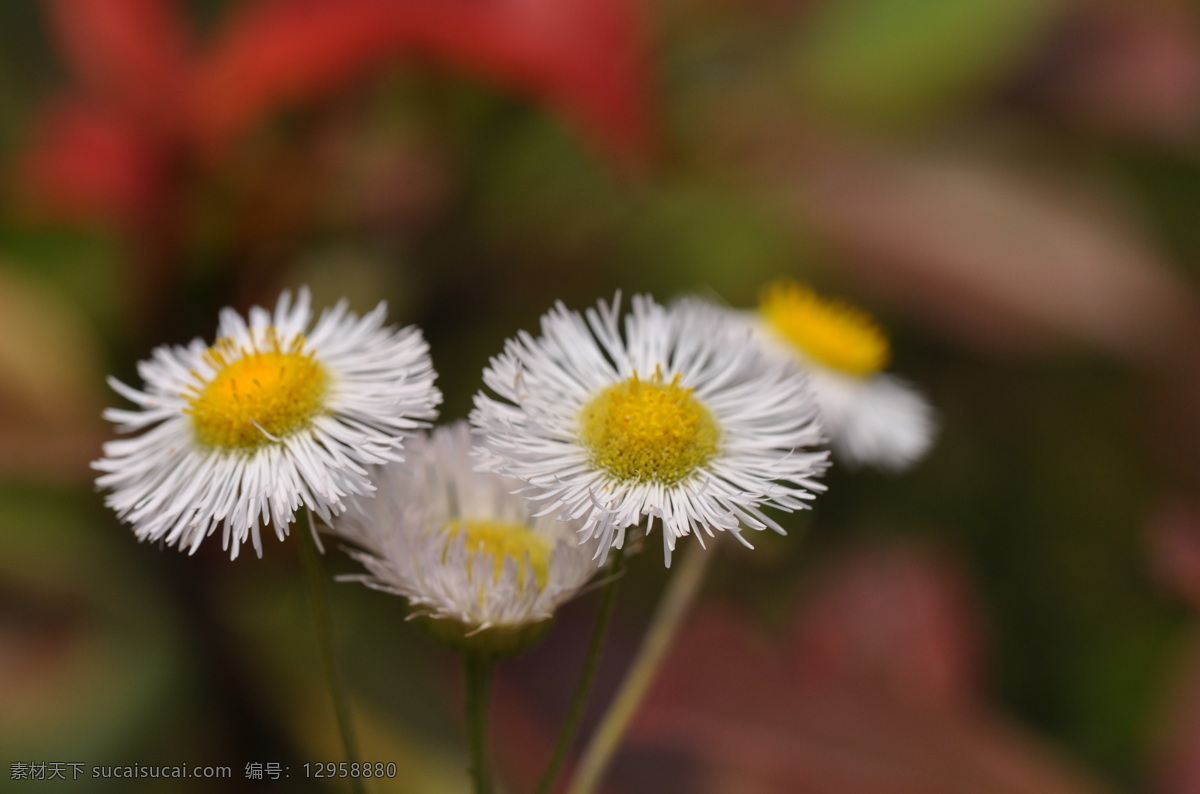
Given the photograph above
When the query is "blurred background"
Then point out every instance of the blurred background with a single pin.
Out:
(1011, 186)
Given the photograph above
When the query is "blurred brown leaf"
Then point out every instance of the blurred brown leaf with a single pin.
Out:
(1173, 538)
(872, 692)
(992, 255)
(1132, 69)
(50, 393)
(1178, 767)
(48, 355)
(899, 622)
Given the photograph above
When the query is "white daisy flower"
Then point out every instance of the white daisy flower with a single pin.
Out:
(461, 547)
(683, 419)
(270, 417)
(870, 417)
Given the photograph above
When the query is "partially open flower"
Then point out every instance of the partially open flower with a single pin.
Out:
(270, 417)
(467, 553)
(683, 419)
(871, 417)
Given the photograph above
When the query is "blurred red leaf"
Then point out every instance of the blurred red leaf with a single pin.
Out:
(142, 98)
(127, 54)
(88, 163)
(872, 693)
(582, 57)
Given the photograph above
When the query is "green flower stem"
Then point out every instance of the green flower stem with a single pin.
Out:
(682, 589)
(478, 669)
(616, 566)
(314, 579)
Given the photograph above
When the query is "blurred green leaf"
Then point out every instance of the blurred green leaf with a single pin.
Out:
(82, 265)
(397, 677)
(541, 192)
(901, 61)
(91, 663)
(693, 237)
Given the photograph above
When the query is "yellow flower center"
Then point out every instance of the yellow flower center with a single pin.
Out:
(648, 430)
(503, 541)
(832, 333)
(257, 396)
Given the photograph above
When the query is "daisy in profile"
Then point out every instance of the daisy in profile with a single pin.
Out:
(681, 419)
(467, 553)
(270, 417)
(871, 417)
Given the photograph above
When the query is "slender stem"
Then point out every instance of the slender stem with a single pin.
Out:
(682, 589)
(314, 579)
(615, 566)
(478, 669)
